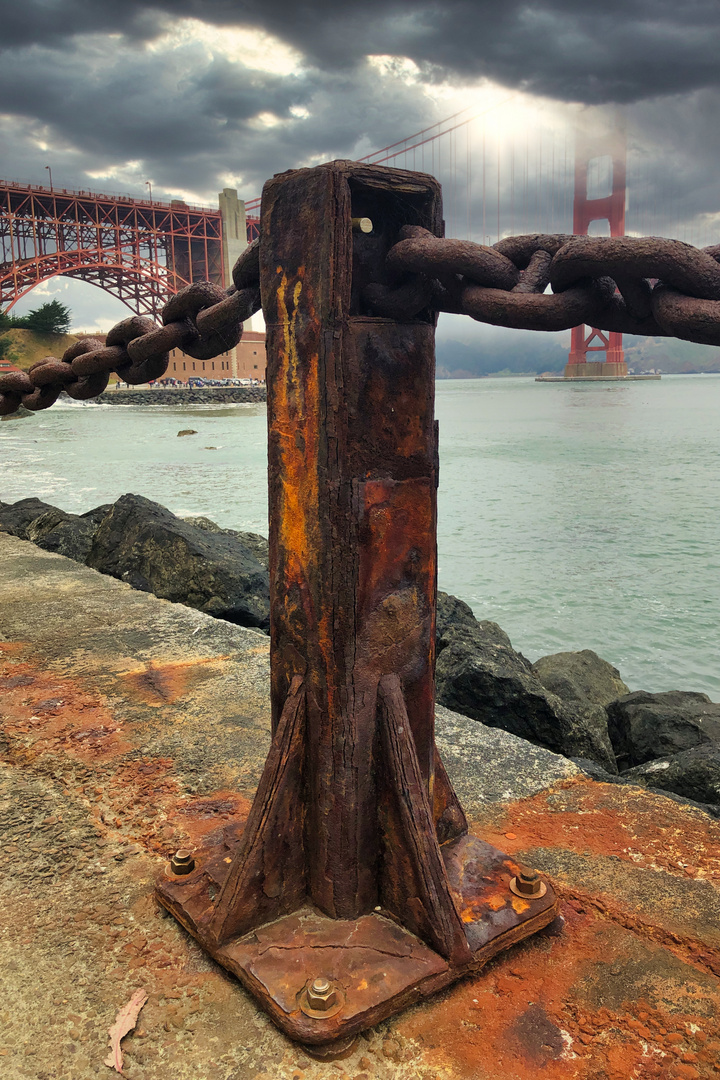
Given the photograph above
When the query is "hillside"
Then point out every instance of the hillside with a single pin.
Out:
(671, 356)
(27, 346)
(519, 356)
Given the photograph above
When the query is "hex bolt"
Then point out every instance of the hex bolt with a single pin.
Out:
(528, 883)
(182, 862)
(321, 994)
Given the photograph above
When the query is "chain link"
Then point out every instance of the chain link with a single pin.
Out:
(647, 285)
(202, 319)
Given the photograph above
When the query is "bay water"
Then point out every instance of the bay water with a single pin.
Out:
(575, 516)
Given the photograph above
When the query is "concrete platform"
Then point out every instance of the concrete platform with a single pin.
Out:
(132, 726)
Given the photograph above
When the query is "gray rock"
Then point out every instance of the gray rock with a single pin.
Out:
(16, 517)
(67, 534)
(186, 431)
(254, 541)
(490, 765)
(580, 676)
(144, 544)
(480, 675)
(596, 772)
(645, 726)
(694, 774)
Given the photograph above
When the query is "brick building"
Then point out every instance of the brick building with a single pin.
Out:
(246, 361)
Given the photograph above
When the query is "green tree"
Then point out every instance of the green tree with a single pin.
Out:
(5, 344)
(5, 321)
(50, 318)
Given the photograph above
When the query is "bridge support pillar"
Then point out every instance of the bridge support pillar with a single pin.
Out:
(355, 888)
(590, 145)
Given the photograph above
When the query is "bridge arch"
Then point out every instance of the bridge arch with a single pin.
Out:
(143, 288)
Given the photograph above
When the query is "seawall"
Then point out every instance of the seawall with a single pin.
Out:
(170, 395)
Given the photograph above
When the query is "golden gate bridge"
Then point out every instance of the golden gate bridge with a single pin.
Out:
(500, 177)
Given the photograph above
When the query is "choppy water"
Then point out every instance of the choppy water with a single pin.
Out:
(575, 516)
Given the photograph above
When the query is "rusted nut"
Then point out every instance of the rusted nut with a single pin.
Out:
(182, 862)
(528, 884)
(321, 998)
(321, 994)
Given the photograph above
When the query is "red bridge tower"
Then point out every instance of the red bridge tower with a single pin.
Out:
(589, 146)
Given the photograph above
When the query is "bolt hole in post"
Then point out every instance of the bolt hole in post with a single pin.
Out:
(355, 888)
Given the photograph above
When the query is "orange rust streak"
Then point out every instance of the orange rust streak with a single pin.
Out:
(130, 799)
(587, 819)
(48, 712)
(160, 684)
(297, 417)
(550, 980)
(13, 648)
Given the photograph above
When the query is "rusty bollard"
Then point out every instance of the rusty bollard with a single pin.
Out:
(355, 888)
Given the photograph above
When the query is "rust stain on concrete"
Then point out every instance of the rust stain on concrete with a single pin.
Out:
(574, 1004)
(606, 819)
(162, 683)
(48, 712)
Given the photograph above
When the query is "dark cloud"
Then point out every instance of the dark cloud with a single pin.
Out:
(99, 87)
(620, 50)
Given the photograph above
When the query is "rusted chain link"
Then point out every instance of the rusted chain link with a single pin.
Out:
(202, 319)
(647, 286)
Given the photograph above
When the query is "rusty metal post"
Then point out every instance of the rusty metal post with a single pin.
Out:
(355, 888)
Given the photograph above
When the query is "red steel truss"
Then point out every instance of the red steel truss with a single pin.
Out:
(140, 251)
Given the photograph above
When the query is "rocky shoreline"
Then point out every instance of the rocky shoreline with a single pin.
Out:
(209, 395)
(573, 703)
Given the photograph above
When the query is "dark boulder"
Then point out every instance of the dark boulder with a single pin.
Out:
(67, 534)
(480, 675)
(71, 537)
(580, 676)
(454, 614)
(16, 517)
(254, 541)
(98, 514)
(645, 726)
(142, 543)
(693, 774)
(41, 526)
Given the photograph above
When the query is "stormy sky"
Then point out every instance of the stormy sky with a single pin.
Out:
(196, 95)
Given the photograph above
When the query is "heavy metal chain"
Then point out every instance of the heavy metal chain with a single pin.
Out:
(647, 286)
(202, 319)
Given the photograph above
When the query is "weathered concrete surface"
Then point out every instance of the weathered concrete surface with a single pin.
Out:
(132, 725)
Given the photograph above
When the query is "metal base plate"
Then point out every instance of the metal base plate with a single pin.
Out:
(380, 967)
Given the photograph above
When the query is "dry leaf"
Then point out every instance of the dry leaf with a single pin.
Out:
(125, 1021)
